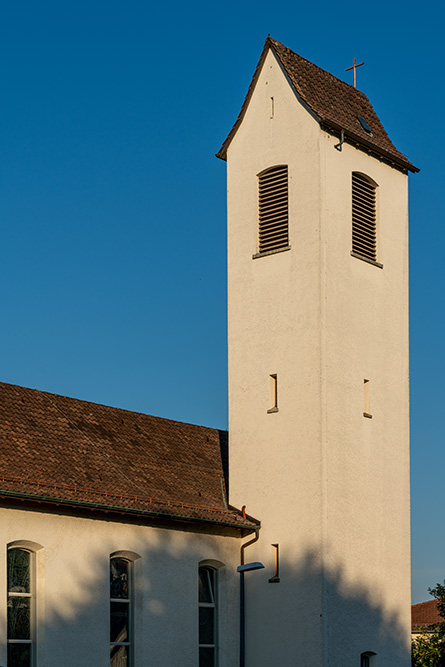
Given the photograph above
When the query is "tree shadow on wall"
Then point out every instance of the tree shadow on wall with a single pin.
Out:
(290, 632)
(354, 620)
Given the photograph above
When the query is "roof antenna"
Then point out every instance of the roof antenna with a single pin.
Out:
(354, 67)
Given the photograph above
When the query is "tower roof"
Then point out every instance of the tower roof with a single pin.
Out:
(336, 105)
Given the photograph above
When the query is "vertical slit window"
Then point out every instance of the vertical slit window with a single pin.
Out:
(20, 607)
(120, 612)
(273, 209)
(364, 233)
(207, 617)
(273, 389)
(366, 399)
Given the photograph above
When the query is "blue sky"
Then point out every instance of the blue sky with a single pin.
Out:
(112, 204)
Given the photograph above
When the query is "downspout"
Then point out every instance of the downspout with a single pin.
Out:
(242, 618)
(342, 141)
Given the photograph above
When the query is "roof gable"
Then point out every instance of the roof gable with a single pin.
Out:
(55, 448)
(336, 105)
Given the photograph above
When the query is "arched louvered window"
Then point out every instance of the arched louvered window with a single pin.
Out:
(273, 209)
(364, 239)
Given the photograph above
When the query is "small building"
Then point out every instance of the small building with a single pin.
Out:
(424, 615)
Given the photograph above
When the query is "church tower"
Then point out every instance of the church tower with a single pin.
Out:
(318, 369)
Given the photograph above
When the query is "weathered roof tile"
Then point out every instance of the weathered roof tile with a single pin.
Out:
(60, 448)
(336, 104)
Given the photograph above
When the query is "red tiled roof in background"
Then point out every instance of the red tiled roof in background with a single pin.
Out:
(424, 614)
(336, 104)
(55, 448)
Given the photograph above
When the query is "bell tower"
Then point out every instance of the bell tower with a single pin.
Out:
(318, 368)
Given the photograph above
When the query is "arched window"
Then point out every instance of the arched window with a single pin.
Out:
(273, 209)
(121, 612)
(208, 621)
(364, 217)
(21, 606)
(366, 658)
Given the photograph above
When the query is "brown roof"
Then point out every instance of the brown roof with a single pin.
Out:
(424, 614)
(59, 449)
(336, 104)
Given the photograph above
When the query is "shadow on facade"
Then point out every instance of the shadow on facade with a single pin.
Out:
(284, 626)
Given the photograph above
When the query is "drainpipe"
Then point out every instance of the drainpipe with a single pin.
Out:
(242, 568)
(342, 141)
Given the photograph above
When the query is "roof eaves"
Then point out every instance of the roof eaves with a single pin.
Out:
(328, 126)
(325, 124)
(222, 153)
(247, 524)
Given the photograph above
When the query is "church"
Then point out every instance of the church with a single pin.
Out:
(130, 540)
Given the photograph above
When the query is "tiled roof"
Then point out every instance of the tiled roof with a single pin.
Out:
(424, 614)
(336, 104)
(59, 449)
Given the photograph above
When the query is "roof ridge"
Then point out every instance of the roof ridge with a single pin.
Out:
(335, 104)
(309, 62)
(105, 405)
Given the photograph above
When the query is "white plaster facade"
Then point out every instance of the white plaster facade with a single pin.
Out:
(72, 589)
(330, 486)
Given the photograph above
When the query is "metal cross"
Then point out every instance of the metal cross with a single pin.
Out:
(354, 67)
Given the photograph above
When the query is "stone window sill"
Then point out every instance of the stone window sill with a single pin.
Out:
(365, 259)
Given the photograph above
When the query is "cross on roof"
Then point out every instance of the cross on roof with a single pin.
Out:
(354, 67)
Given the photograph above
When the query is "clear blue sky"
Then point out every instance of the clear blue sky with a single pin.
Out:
(112, 204)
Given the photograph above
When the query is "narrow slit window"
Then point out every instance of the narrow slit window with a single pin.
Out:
(120, 612)
(367, 659)
(364, 227)
(207, 600)
(272, 107)
(366, 399)
(20, 607)
(273, 393)
(273, 232)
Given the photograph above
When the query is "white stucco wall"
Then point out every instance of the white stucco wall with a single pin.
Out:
(72, 620)
(330, 486)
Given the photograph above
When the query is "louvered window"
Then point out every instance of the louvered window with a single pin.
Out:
(273, 209)
(363, 216)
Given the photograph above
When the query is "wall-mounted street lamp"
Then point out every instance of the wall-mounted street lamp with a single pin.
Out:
(248, 567)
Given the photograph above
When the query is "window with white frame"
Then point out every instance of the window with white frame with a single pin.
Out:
(207, 617)
(366, 658)
(21, 607)
(121, 612)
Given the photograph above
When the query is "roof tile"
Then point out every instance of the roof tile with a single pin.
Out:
(61, 448)
(334, 102)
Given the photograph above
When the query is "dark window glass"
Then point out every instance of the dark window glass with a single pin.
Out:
(206, 625)
(119, 656)
(207, 617)
(206, 657)
(119, 578)
(120, 612)
(205, 585)
(19, 618)
(19, 607)
(18, 571)
(119, 621)
(19, 655)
